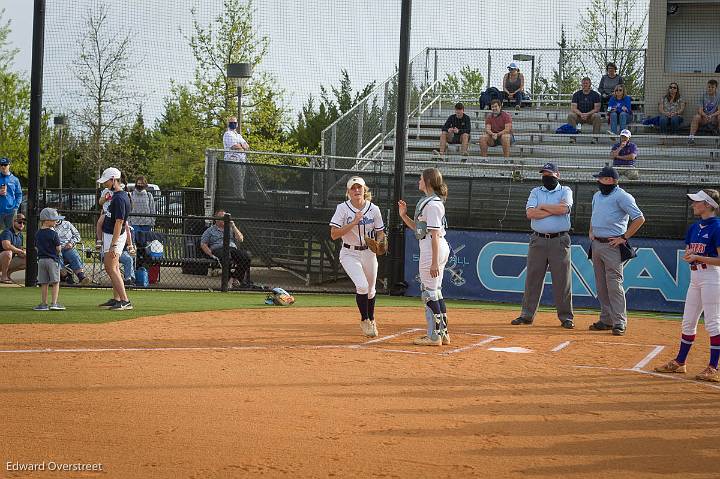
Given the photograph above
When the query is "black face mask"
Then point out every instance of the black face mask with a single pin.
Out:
(606, 189)
(140, 187)
(549, 182)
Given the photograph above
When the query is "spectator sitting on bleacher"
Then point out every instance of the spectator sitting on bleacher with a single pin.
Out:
(608, 82)
(212, 245)
(12, 253)
(498, 130)
(619, 110)
(514, 86)
(708, 111)
(671, 107)
(455, 131)
(624, 154)
(69, 237)
(585, 107)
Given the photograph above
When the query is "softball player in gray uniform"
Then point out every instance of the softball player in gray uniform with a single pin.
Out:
(353, 220)
(429, 225)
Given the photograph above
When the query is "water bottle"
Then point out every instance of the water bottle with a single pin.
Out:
(141, 277)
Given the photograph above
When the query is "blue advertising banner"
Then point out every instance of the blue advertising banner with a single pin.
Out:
(490, 266)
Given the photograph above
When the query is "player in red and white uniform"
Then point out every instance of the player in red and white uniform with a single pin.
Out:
(353, 220)
(702, 251)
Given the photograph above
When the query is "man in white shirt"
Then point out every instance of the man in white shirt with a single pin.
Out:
(235, 146)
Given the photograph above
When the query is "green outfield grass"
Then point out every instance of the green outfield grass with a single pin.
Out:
(16, 304)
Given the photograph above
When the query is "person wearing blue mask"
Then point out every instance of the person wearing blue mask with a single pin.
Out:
(235, 147)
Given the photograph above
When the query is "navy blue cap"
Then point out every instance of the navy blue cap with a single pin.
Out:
(4, 161)
(549, 167)
(608, 172)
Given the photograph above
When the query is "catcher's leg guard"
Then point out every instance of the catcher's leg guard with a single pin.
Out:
(431, 299)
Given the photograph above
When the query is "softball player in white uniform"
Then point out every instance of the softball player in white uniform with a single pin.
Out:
(702, 251)
(353, 221)
(429, 225)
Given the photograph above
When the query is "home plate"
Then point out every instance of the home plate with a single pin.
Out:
(514, 349)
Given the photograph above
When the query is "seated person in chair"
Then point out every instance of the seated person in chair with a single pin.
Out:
(12, 254)
(69, 237)
(212, 245)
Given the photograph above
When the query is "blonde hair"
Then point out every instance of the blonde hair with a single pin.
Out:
(714, 194)
(366, 193)
(433, 179)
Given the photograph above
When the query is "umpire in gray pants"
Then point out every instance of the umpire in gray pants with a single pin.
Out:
(612, 207)
(548, 209)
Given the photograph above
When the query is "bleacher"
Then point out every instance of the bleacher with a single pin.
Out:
(661, 158)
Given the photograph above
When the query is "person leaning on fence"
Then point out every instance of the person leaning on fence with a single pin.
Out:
(212, 245)
(619, 110)
(585, 106)
(514, 86)
(624, 153)
(548, 209)
(69, 238)
(235, 147)
(142, 201)
(609, 233)
(50, 260)
(608, 82)
(498, 130)
(671, 108)
(12, 254)
(708, 113)
(10, 195)
(115, 236)
(455, 131)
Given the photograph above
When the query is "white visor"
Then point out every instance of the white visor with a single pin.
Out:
(702, 196)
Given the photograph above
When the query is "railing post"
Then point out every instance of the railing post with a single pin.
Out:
(361, 120)
(385, 112)
(489, 71)
(226, 254)
(333, 141)
(322, 143)
(427, 65)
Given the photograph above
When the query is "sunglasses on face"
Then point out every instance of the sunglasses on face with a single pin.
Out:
(673, 87)
(20, 222)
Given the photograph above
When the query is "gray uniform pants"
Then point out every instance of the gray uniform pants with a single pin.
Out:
(544, 252)
(609, 282)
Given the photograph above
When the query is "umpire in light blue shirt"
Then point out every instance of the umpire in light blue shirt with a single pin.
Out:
(612, 209)
(548, 209)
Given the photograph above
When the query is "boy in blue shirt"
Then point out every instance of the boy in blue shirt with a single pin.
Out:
(47, 243)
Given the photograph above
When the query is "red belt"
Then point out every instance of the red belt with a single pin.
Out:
(698, 266)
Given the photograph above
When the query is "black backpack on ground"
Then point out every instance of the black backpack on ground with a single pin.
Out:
(489, 95)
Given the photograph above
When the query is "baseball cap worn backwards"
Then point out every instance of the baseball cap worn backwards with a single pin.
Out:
(355, 180)
(109, 174)
(551, 167)
(702, 196)
(50, 214)
(607, 172)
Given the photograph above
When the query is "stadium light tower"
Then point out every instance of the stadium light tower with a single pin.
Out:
(239, 73)
(521, 57)
(61, 123)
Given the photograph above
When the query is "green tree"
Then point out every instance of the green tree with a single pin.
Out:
(467, 82)
(130, 148)
(566, 77)
(178, 141)
(14, 105)
(610, 26)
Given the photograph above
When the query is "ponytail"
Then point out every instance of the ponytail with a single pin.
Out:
(433, 178)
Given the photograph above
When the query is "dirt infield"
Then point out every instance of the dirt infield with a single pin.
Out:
(300, 393)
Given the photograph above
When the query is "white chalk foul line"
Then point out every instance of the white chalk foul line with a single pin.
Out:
(105, 350)
(648, 358)
(489, 339)
(561, 346)
(391, 336)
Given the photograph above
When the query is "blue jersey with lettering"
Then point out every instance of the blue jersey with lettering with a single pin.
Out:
(703, 237)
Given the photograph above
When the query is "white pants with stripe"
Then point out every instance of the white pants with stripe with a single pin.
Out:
(361, 267)
(703, 296)
(426, 279)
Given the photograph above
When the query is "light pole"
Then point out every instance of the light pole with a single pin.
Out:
(239, 73)
(521, 57)
(60, 122)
